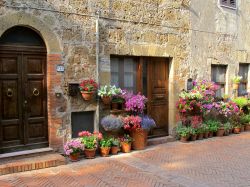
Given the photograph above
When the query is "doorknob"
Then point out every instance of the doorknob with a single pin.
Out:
(36, 92)
(9, 93)
(25, 102)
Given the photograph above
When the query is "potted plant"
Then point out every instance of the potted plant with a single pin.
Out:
(105, 145)
(193, 133)
(115, 146)
(237, 128)
(236, 82)
(205, 130)
(235, 121)
(112, 124)
(87, 88)
(213, 126)
(245, 119)
(227, 127)
(106, 92)
(135, 104)
(91, 142)
(200, 132)
(220, 131)
(183, 132)
(126, 141)
(73, 148)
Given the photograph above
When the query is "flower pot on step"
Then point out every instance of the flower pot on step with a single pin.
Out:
(74, 157)
(220, 132)
(104, 151)
(114, 106)
(106, 100)
(237, 130)
(242, 129)
(126, 147)
(193, 137)
(114, 150)
(235, 86)
(210, 134)
(200, 136)
(140, 137)
(184, 139)
(89, 153)
(206, 134)
(247, 127)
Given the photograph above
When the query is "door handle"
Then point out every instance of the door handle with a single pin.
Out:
(36, 92)
(9, 93)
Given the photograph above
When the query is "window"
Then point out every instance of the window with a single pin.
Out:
(219, 77)
(228, 3)
(243, 71)
(123, 73)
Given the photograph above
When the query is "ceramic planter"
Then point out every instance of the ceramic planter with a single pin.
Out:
(74, 157)
(206, 134)
(104, 151)
(242, 129)
(193, 137)
(210, 134)
(87, 96)
(200, 136)
(126, 147)
(89, 153)
(140, 137)
(115, 106)
(106, 100)
(220, 132)
(114, 150)
(184, 139)
(237, 130)
(247, 127)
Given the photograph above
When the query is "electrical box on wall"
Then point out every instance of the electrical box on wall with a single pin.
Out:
(73, 89)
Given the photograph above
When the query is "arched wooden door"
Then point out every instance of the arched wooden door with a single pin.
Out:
(23, 94)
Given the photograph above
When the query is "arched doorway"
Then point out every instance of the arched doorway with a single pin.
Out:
(23, 90)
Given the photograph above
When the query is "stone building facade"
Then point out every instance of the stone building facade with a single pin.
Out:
(191, 34)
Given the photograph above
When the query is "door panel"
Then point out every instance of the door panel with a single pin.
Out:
(157, 84)
(23, 100)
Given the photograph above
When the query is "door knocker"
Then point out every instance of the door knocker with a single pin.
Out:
(36, 92)
(9, 93)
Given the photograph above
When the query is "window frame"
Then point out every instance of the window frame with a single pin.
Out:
(221, 84)
(243, 81)
(229, 4)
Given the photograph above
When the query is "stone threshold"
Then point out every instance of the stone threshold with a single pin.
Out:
(29, 160)
(160, 140)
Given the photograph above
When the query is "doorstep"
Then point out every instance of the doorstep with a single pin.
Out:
(160, 140)
(29, 160)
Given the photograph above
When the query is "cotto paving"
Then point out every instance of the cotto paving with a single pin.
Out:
(215, 162)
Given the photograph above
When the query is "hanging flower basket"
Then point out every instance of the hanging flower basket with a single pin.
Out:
(235, 86)
(87, 96)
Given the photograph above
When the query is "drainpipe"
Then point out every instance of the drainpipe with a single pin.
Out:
(96, 127)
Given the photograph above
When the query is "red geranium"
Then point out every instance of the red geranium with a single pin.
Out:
(88, 85)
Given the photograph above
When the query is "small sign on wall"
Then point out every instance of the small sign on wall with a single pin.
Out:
(60, 68)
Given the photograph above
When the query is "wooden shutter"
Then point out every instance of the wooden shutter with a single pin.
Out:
(229, 3)
(243, 71)
(219, 77)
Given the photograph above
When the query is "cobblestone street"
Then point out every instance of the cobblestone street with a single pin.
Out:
(212, 162)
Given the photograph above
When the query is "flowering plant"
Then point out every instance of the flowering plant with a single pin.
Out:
(186, 105)
(88, 85)
(90, 140)
(106, 142)
(126, 139)
(147, 122)
(132, 122)
(226, 108)
(108, 90)
(73, 146)
(237, 79)
(136, 104)
(111, 122)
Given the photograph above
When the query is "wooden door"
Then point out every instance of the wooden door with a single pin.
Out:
(157, 93)
(23, 100)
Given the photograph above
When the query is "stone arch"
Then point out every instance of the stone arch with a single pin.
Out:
(23, 19)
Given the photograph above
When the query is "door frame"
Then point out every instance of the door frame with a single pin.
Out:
(28, 50)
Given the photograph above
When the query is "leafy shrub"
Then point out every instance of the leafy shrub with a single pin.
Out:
(213, 125)
(241, 101)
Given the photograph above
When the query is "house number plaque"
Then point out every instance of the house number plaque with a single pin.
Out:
(60, 68)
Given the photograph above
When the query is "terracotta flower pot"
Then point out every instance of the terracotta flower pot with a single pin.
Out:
(87, 96)
(220, 132)
(126, 147)
(89, 153)
(194, 137)
(104, 151)
(237, 130)
(114, 150)
(140, 137)
(184, 139)
(115, 106)
(200, 136)
(235, 86)
(210, 134)
(206, 134)
(230, 131)
(74, 157)
(242, 129)
(247, 127)
(106, 100)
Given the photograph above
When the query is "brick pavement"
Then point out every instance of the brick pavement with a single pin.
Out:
(217, 162)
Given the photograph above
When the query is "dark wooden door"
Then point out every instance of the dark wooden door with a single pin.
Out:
(23, 99)
(157, 93)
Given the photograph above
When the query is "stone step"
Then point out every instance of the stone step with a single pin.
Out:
(160, 140)
(31, 162)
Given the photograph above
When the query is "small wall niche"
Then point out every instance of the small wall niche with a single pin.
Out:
(82, 121)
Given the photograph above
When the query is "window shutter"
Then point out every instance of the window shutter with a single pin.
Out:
(229, 3)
